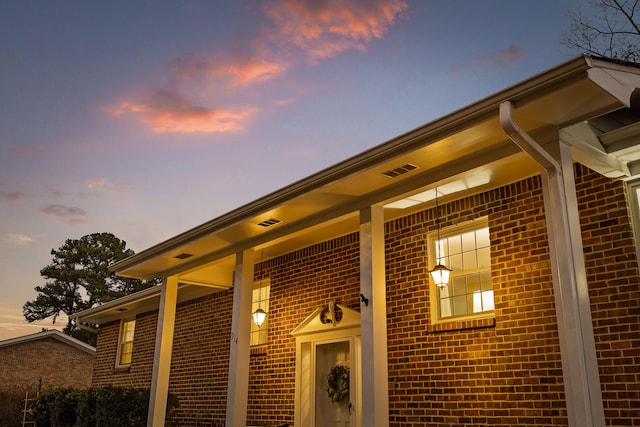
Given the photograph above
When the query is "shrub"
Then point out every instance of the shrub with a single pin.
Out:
(107, 406)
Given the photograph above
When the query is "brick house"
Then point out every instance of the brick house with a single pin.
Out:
(45, 359)
(527, 195)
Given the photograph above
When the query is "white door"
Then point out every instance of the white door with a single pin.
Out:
(333, 409)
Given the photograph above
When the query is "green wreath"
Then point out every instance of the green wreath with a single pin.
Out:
(338, 381)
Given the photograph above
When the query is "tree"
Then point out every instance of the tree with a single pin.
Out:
(78, 278)
(612, 32)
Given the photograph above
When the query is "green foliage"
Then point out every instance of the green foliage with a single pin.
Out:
(78, 278)
(107, 406)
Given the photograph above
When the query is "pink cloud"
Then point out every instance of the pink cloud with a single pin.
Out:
(492, 60)
(12, 197)
(241, 70)
(325, 29)
(164, 111)
(312, 30)
(67, 214)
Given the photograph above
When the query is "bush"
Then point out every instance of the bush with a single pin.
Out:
(107, 406)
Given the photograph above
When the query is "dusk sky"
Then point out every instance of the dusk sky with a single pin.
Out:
(147, 118)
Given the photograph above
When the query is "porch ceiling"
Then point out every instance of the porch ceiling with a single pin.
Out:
(466, 149)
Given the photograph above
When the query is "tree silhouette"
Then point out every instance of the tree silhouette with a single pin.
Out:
(612, 31)
(78, 278)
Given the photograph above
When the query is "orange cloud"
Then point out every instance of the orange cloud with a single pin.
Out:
(168, 112)
(325, 29)
(492, 60)
(242, 69)
(12, 197)
(246, 74)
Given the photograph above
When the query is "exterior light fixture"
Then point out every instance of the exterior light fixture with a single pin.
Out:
(259, 315)
(440, 273)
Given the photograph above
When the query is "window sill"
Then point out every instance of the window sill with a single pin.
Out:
(122, 368)
(462, 325)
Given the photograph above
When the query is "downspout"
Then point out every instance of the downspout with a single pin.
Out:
(524, 141)
(573, 311)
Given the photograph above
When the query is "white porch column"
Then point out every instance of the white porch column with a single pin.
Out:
(373, 319)
(573, 310)
(238, 387)
(162, 355)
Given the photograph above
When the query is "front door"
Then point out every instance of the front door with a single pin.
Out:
(328, 356)
(332, 385)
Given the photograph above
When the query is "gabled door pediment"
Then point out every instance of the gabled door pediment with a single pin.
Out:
(322, 320)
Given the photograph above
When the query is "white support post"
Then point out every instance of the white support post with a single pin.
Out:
(373, 319)
(238, 387)
(573, 309)
(162, 355)
(570, 289)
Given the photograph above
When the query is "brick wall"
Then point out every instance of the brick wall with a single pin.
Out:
(503, 371)
(49, 362)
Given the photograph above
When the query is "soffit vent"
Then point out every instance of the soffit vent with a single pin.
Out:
(269, 222)
(183, 255)
(408, 167)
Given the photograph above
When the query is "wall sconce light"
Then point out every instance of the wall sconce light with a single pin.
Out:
(440, 273)
(260, 315)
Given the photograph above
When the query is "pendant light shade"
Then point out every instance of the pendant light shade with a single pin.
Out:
(258, 316)
(440, 275)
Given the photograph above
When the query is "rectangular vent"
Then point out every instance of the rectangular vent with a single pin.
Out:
(183, 255)
(269, 222)
(408, 167)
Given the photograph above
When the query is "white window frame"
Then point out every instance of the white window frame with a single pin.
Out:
(122, 342)
(633, 190)
(435, 291)
(262, 331)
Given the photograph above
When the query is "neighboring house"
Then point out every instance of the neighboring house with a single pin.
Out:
(538, 325)
(45, 359)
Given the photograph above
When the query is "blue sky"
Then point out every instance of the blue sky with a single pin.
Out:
(147, 118)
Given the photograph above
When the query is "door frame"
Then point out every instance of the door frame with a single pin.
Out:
(315, 330)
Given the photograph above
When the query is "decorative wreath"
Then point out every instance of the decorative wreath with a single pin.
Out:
(338, 380)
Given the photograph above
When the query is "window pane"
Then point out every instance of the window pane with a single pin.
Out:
(458, 286)
(445, 307)
(125, 353)
(460, 305)
(484, 257)
(469, 260)
(487, 301)
(455, 262)
(482, 237)
(473, 282)
(468, 241)
(455, 244)
(470, 289)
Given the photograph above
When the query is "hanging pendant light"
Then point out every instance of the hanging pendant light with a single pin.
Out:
(259, 315)
(440, 273)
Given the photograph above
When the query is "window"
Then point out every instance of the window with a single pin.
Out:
(125, 343)
(260, 299)
(467, 251)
